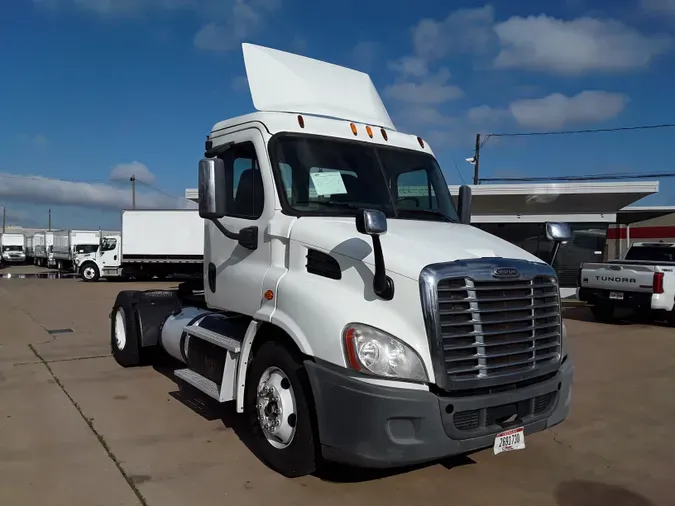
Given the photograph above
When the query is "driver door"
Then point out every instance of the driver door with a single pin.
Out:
(234, 274)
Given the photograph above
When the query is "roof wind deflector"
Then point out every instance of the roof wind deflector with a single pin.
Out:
(286, 82)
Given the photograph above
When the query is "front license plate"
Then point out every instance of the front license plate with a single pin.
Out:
(616, 295)
(509, 441)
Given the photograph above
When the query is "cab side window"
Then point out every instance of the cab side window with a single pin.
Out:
(245, 197)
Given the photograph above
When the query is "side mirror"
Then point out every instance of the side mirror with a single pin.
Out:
(464, 204)
(371, 222)
(211, 188)
(558, 233)
(374, 224)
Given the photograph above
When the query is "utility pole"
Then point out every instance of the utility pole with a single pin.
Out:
(50, 220)
(476, 160)
(133, 191)
(4, 218)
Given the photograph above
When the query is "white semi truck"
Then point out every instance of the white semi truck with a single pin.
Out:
(347, 320)
(12, 248)
(69, 243)
(43, 247)
(154, 242)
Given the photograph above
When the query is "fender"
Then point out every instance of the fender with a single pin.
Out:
(242, 366)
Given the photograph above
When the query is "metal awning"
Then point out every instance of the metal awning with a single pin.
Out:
(578, 202)
(633, 214)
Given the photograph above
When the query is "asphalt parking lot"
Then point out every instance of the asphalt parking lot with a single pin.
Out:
(78, 430)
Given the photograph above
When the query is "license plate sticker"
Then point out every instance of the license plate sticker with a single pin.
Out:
(616, 295)
(510, 440)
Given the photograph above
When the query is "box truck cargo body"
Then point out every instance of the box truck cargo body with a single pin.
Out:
(43, 245)
(153, 243)
(12, 248)
(67, 243)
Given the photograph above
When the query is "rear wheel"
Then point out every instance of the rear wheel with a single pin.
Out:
(125, 333)
(278, 407)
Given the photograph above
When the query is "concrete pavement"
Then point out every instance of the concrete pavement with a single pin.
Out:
(77, 429)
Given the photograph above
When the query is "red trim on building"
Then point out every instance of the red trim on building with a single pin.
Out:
(665, 232)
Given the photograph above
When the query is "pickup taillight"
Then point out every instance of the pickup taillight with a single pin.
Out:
(657, 285)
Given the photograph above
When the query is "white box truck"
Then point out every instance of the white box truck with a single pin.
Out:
(346, 317)
(12, 248)
(43, 245)
(68, 243)
(153, 243)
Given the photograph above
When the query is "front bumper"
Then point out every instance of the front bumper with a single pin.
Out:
(375, 426)
(14, 260)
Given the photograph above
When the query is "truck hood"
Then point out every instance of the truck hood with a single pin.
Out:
(408, 245)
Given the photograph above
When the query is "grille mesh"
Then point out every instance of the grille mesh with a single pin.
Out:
(495, 328)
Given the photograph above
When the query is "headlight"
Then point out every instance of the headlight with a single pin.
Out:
(375, 352)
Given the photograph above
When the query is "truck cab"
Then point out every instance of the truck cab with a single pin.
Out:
(348, 307)
(12, 248)
(104, 257)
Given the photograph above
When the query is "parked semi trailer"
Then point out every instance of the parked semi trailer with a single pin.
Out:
(69, 243)
(153, 243)
(43, 246)
(12, 248)
(349, 320)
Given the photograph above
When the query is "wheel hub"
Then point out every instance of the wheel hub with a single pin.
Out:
(275, 404)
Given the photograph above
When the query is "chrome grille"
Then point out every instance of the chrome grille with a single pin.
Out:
(493, 328)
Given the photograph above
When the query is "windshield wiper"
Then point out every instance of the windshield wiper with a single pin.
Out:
(431, 212)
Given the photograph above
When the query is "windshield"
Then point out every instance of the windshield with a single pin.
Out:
(86, 248)
(651, 253)
(328, 176)
(12, 248)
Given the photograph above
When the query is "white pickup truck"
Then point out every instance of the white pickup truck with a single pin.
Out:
(644, 281)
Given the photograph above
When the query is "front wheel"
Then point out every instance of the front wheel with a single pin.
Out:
(89, 272)
(278, 409)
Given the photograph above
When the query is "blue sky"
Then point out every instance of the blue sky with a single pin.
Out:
(94, 90)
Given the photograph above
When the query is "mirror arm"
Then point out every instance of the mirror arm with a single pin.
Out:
(383, 285)
(554, 253)
(247, 237)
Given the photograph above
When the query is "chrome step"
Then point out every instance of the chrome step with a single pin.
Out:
(199, 382)
(213, 337)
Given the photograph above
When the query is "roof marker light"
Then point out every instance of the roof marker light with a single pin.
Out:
(353, 128)
(384, 134)
(369, 131)
(421, 142)
(301, 121)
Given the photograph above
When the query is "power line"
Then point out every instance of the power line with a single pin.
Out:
(582, 131)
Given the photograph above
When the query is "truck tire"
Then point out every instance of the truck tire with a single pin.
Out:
(125, 337)
(603, 313)
(276, 380)
(89, 272)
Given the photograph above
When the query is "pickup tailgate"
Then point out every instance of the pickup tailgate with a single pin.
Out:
(619, 277)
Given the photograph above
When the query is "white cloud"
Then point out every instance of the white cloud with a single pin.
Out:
(435, 90)
(659, 6)
(124, 171)
(573, 47)
(365, 53)
(229, 22)
(244, 19)
(239, 83)
(39, 141)
(556, 110)
(48, 191)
